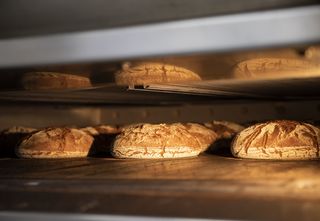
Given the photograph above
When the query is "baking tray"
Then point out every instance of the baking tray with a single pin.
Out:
(208, 186)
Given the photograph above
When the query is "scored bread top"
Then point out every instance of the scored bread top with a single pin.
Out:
(280, 134)
(157, 135)
(204, 135)
(149, 72)
(276, 68)
(56, 140)
(53, 80)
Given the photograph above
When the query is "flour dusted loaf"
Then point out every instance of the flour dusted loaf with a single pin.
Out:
(276, 68)
(55, 143)
(53, 80)
(282, 140)
(104, 136)
(147, 73)
(156, 141)
(9, 138)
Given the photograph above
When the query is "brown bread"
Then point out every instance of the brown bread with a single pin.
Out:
(55, 143)
(283, 140)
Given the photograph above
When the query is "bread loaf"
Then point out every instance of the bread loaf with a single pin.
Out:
(9, 138)
(55, 143)
(224, 129)
(53, 80)
(148, 73)
(156, 141)
(276, 68)
(282, 140)
(313, 53)
(104, 136)
(204, 135)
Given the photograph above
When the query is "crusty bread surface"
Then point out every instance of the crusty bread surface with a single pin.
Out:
(55, 143)
(204, 135)
(146, 73)
(275, 68)
(53, 80)
(156, 141)
(281, 140)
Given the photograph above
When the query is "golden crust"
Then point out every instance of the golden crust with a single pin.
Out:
(275, 68)
(18, 129)
(204, 135)
(147, 73)
(283, 140)
(55, 143)
(156, 141)
(313, 53)
(53, 80)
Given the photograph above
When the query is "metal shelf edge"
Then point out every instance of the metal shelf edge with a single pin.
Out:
(212, 34)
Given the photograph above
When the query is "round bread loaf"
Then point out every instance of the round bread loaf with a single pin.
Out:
(225, 133)
(9, 138)
(281, 140)
(313, 53)
(204, 135)
(55, 143)
(101, 129)
(148, 73)
(18, 129)
(156, 141)
(276, 68)
(53, 80)
(224, 129)
(104, 136)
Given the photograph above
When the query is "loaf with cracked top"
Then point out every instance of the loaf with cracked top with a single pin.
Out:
(55, 143)
(53, 80)
(280, 139)
(174, 140)
(148, 72)
(276, 68)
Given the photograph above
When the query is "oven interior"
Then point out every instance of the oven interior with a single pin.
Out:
(213, 185)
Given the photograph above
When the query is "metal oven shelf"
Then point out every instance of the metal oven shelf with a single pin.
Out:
(280, 27)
